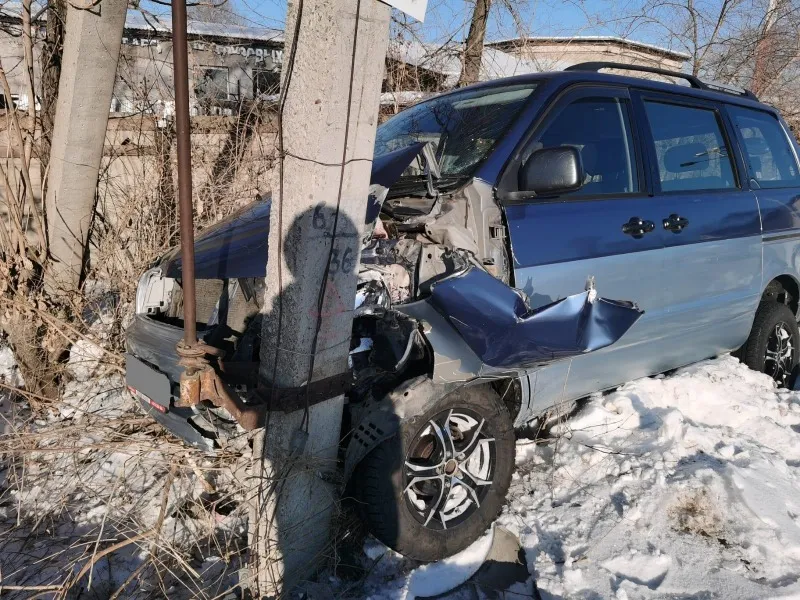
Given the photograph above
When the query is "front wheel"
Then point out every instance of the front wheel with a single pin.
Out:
(774, 343)
(435, 487)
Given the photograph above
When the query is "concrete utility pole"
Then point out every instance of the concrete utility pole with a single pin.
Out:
(88, 71)
(332, 87)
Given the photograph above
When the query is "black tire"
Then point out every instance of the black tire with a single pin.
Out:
(383, 476)
(760, 349)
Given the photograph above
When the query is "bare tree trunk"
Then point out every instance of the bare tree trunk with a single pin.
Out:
(765, 50)
(695, 37)
(166, 217)
(51, 73)
(39, 368)
(473, 52)
(27, 53)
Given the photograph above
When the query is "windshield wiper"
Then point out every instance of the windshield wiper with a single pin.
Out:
(417, 185)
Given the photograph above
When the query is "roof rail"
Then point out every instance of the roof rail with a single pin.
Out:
(693, 80)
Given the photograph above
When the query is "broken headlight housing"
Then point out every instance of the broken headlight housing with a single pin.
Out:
(154, 292)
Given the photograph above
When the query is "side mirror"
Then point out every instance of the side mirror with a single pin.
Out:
(552, 171)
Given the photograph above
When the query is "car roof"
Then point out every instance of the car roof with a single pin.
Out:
(571, 77)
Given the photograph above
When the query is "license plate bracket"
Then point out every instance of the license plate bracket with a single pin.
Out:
(152, 384)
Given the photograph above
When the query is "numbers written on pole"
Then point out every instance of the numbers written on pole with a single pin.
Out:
(341, 260)
(319, 221)
(345, 264)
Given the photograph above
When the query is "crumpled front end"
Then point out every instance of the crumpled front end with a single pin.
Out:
(433, 298)
(228, 315)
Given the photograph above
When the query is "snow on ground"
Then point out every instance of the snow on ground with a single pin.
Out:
(92, 472)
(9, 373)
(9, 378)
(686, 485)
(677, 486)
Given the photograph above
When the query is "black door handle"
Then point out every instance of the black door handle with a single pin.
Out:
(637, 227)
(675, 223)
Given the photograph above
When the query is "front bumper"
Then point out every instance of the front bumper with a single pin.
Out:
(152, 376)
(178, 421)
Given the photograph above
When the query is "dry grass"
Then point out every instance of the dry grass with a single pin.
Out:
(98, 501)
(695, 513)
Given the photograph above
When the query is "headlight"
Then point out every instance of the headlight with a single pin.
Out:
(153, 293)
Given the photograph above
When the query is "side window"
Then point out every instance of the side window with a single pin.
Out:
(770, 159)
(690, 148)
(600, 129)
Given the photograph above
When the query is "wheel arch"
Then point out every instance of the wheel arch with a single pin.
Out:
(375, 421)
(783, 289)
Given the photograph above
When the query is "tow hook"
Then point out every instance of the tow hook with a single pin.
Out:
(199, 381)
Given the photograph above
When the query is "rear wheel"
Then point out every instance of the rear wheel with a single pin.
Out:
(774, 343)
(433, 489)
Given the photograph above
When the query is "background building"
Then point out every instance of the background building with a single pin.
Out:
(557, 53)
(228, 65)
(232, 65)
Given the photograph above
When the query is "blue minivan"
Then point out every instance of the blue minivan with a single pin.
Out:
(497, 213)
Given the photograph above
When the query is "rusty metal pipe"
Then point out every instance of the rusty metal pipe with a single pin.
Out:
(180, 61)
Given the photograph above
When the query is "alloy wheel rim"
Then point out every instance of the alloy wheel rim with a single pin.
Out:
(449, 469)
(780, 353)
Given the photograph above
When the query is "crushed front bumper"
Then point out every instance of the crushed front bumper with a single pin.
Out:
(152, 375)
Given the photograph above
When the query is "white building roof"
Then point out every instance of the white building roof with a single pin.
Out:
(139, 21)
(443, 59)
(495, 63)
(446, 60)
(592, 39)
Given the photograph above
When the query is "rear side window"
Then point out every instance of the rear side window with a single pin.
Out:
(770, 159)
(690, 148)
(600, 128)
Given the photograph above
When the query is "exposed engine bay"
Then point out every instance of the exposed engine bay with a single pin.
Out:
(417, 242)
(434, 296)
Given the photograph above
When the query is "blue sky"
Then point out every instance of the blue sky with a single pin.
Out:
(446, 18)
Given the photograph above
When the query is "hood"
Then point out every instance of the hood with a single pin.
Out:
(236, 247)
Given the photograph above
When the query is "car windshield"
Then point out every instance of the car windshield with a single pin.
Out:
(463, 127)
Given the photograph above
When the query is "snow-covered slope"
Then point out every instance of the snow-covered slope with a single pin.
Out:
(685, 485)
(678, 486)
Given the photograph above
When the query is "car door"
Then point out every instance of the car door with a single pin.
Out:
(605, 230)
(775, 179)
(710, 223)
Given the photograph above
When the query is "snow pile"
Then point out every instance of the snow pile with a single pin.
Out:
(679, 485)
(9, 372)
(9, 378)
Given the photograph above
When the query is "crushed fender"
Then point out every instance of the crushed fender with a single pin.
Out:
(504, 332)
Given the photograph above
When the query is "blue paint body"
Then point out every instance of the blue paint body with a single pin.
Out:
(698, 288)
(236, 247)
